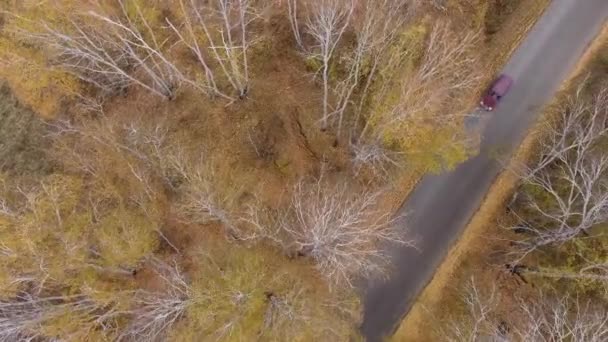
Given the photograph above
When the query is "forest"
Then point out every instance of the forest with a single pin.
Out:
(226, 170)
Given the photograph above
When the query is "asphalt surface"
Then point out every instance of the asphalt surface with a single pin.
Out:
(441, 205)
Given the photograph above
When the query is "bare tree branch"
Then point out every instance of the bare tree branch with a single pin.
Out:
(571, 175)
(446, 71)
(22, 318)
(545, 319)
(154, 313)
(110, 52)
(477, 324)
(325, 22)
(342, 230)
(224, 25)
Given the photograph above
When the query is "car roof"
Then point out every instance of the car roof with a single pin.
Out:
(502, 84)
(489, 101)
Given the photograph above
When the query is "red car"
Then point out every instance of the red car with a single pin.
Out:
(499, 88)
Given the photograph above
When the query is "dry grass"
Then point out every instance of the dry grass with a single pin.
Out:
(473, 253)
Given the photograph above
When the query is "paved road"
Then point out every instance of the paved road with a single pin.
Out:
(441, 205)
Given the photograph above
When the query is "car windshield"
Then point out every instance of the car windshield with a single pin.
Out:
(501, 86)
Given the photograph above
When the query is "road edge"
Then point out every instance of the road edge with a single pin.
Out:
(494, 200)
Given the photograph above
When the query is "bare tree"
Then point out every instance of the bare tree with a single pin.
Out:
(342, 230)
(562, 319)
(294, 21)
(145, 51)
(112, 52)
(149, 154)
(187, 33)
(447, 70)
(93, 57)
(225, 305)
(402, 103)
(285, 313)
(375, 158)
(579, 125)
(326, 22)
(6, 209)
(378, 29)
(201, 199)
(22, 318)
(375, 26)
(144, 146)
(225, 25)
(541, 319)
(477, 323)
(87, 142)
(154, 313)
(571, 175)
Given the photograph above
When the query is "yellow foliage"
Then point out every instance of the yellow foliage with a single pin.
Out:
(411, 45)
(52, 233)
(404, 115)
(54, 237)
(26, 66)
(71, 326)
(48, 241)
(146, 16)
(143, 10)
(245, 294)
(124, 237)
(427, 146)
(8, 287)
(28, 13)
(476, 10)
(401, 63)
(33, 82)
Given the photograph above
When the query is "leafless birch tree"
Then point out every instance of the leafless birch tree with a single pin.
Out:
(201, 199)
(545, 319)
(319, 27)
(375, 32)
(447, 70)
(294, 21)
(404, 104)
(24, 317)
(375, 158)
(571, 175)
(112, 52)
(441, 5)
(477, 324)
(148, 154)
(144, 145)
(145, 52)
(154, 313)
(563, 319)
(326, 21)
(225, 27)
(342, 230)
